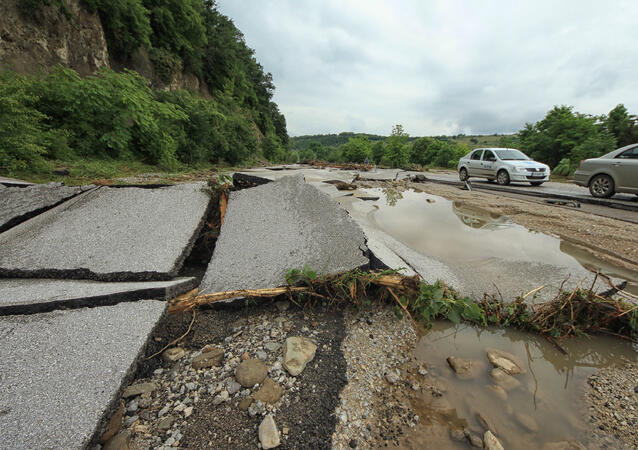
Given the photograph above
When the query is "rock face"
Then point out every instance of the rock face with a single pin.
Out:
(45, 37)
(251, 372)
(507, 362)
(465, 369)
(491, 442)
(269, 436)
(298, 351)
(272, 228)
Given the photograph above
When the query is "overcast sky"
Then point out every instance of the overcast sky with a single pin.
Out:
(440, 67)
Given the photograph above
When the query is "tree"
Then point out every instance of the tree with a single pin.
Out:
(554, 137)
(396, 148)
(507, 142)
(357, 149)
(378, 152)
(621, 125)
(419, 151)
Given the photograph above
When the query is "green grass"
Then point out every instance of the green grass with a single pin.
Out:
(87, 171)
(482, 140)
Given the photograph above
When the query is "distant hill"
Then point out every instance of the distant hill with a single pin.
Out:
(335, 140)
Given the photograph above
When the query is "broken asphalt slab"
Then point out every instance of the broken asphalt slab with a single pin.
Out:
(18, 204)
(278, 226)
(62, 372)
(30, 296)
(9, 182)
(109, 234)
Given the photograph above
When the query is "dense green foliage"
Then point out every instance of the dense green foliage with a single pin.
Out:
(396, 150)
(564, 137)
(61, 116)
(115, 116)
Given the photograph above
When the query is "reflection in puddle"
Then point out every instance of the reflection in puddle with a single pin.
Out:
(392, 196)
(456, 232)
(547, 406)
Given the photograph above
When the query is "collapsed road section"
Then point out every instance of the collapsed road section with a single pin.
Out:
(279, 226)
(109, 234)
(18, 204)
(62, 371)
(84, 275)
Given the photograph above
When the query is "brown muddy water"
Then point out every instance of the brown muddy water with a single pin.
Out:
(458, 232)
(547, 407)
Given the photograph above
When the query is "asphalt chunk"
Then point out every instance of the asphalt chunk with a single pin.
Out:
(278, 226)
(109, 234)
(29, 296)
(62, 372)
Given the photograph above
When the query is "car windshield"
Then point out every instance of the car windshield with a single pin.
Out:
(511, 155)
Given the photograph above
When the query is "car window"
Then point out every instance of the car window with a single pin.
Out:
(477, 154)
(632, 153)
(489, 156)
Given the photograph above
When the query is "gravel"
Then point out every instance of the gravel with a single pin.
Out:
(303, 414)
(377, 344)
(613, 406)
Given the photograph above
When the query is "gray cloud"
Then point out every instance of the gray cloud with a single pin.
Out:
(443, 66)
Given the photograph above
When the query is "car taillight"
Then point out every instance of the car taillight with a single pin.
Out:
(580, 163)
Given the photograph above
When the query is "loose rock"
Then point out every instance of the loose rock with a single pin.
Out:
(245, 404)
(504, 380)
(498, 391)
(526, 421)
(139, 389)
(173, 354)
(491, 442)
(298, 351)
(118, 442)
(251, 372)
(465, 369)
(505, 361)
(270, 392)
(269, 433)
(210, 358)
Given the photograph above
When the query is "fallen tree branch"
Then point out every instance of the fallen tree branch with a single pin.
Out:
(205, 299)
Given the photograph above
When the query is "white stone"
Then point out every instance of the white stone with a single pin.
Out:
(269, 436)
(298, 351)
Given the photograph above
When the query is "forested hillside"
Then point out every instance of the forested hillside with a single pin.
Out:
(561, 139)
(58, 116)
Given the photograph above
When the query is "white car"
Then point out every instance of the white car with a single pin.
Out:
(503, 165)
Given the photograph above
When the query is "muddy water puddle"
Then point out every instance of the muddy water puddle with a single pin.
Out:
(461, 234)
(545, 405)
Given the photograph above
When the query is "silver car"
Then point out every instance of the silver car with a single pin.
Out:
(612, 173)
(503, 165)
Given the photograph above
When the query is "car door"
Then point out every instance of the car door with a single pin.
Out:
(625, 169)
(488, 164)
(474, 164)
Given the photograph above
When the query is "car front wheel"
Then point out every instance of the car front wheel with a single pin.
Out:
(463, 175)
(601, 186)
(503, 178)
